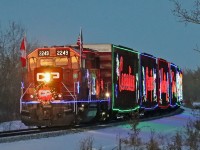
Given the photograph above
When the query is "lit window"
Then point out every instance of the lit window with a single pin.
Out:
(46, 62)
(61, 61)
(74, 62)
(33, 63)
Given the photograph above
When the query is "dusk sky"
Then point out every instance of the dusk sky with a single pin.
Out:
(144, 25)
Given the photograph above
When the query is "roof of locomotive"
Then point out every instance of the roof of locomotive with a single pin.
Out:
(52, 49)
(104, 48)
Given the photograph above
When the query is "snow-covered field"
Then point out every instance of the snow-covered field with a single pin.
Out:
(106, 138)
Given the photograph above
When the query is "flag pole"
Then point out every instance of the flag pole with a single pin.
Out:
(80, 44)
(81, 47)
(23, 63)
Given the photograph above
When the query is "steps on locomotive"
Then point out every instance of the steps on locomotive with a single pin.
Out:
(69, 95)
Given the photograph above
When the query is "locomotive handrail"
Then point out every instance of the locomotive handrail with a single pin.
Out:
(69, 91)
(73, 96)
(23, 96)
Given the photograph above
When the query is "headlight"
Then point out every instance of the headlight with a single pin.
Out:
(107, 94)
(47, 77)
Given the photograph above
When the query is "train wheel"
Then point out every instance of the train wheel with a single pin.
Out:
(104, 116)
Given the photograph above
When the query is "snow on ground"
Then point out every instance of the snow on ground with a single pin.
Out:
(107, 138)
(13, 125)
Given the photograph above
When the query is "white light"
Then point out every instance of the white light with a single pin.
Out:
(107, 94)
(47, 77)
(31, 96)
(59, 95)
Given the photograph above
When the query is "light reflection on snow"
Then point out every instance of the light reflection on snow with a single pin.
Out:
(107, 138)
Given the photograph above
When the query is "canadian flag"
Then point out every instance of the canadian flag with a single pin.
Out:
(23, 52)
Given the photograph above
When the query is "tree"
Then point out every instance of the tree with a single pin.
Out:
(191, 83)
(191, 80)
(10, 70)
(187, 16)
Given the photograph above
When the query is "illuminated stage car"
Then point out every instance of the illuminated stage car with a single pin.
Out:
(62, 86)
(148, 80)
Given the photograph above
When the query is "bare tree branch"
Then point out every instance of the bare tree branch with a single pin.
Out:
(196, 49)
(187, 16)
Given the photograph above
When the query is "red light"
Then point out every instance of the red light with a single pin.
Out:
(126, 81)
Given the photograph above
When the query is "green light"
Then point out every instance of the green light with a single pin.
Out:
(178, 103)
(126, 110)
(126, 49)
(113, 78)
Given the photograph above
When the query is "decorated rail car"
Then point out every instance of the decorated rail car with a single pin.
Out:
(163, 83)
(63, 86)
(125, 92)
(148, 82)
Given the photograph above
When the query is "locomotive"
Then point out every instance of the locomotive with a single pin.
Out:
(63, 85)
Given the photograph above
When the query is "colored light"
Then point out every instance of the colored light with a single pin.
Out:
(126, 49)
(127, 110)
(67, 101)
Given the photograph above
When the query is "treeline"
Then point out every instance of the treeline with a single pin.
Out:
(10, 70)
(191, 85)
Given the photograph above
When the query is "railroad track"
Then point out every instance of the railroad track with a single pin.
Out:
(35, 133)
(18, 132)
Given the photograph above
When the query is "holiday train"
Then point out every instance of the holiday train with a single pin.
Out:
(62, 86)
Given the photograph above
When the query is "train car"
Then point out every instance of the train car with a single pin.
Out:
(148, 82)
(60, 87)
(163, 83)
(173, 84)
(125, 85)
(179, 84)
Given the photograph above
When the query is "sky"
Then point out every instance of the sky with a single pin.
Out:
(145, 26)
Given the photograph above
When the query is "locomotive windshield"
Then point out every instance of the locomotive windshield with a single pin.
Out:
(46, 62)
(61, 61)
(33, 63)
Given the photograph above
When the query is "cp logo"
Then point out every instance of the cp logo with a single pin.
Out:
(41, 76)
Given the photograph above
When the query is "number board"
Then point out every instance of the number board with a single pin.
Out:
(62, 52)
(42, 53)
